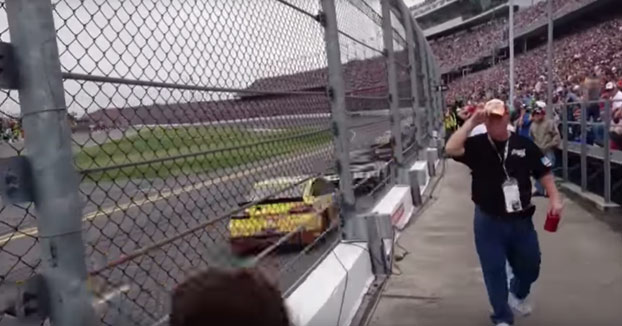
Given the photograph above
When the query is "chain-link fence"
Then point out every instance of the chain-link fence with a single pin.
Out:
(199, 129)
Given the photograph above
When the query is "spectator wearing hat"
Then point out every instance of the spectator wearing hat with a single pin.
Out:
(502, 164)
(545, 135)
(614, 93)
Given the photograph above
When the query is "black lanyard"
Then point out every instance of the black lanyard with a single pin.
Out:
(502, 158)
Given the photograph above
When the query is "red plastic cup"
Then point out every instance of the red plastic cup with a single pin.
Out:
(552, 222)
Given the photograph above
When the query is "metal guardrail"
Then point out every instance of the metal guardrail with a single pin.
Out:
(592, 139)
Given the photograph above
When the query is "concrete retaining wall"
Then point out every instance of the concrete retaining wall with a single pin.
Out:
(333, 291)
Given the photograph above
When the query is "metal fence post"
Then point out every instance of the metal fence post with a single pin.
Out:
(439, 99)
(430, 94)
(48, 144)
(421, 118)
(511, 49)
(395, 115)
(550, 66)
(428, 91)
(607, 154)
(426, 94)
(337, 96)
(583, 147)
(564, 110)
(412, 69)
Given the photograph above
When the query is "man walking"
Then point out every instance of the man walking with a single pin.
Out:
(502, 164)
(544, 133)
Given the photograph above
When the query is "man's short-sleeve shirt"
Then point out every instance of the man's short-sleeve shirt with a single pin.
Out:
(524, 160)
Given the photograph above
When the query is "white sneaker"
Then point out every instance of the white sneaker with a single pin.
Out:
(509, 273)
(503, 324)
(521, 307)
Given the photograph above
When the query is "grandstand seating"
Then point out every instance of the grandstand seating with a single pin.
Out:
(456, 50)
(587, 51)
(363, 78)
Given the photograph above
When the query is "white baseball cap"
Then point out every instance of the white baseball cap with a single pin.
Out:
(610, 86)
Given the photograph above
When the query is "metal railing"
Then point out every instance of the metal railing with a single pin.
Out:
(591, 151)
(181, 115)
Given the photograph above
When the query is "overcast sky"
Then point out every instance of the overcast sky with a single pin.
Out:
(220, 43)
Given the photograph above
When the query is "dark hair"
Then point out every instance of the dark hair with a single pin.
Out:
(231, 298)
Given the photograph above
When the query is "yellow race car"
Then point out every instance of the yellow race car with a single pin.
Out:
(310, 208)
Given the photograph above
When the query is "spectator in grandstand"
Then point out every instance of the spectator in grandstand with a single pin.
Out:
(592, 96)
(450, 122)
(466, 112)
(616, 116)
(614, 94)
(501, 164)
(571, 110)
(524, 121)
(616, 130)
(232, 298)
(545, 135)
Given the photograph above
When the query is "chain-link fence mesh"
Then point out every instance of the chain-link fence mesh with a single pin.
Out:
(187, 117)
(186, 107)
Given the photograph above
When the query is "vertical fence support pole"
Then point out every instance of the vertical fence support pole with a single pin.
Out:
(607, 154)
(511, 44)
(426, 94)
(412, 70)
(550, 66)
(583, 147)
(439, 101)
(564, 111)
(337, 96)
(48, 144)
(421, 104)
(430, 99)
(395, 115)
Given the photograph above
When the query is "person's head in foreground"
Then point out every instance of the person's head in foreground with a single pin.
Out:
(227, 298)
(497, 119)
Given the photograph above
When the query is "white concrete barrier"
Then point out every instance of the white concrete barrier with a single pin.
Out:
(420, 176)
(398, 204)
(333, 291)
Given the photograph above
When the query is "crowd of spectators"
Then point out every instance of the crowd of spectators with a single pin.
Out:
(457, 49)
(587, 67)
(464, 47)
(590, 51)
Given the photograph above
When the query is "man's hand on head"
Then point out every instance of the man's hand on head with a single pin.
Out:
(478, 117)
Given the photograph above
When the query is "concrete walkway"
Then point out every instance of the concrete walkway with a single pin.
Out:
(441, 282)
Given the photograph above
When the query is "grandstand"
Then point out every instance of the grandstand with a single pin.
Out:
(587, 43)
(474, 45)
(266, 98)
(436, 17)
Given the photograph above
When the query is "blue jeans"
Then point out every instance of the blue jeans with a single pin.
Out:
(551, 156)
(515, 240)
